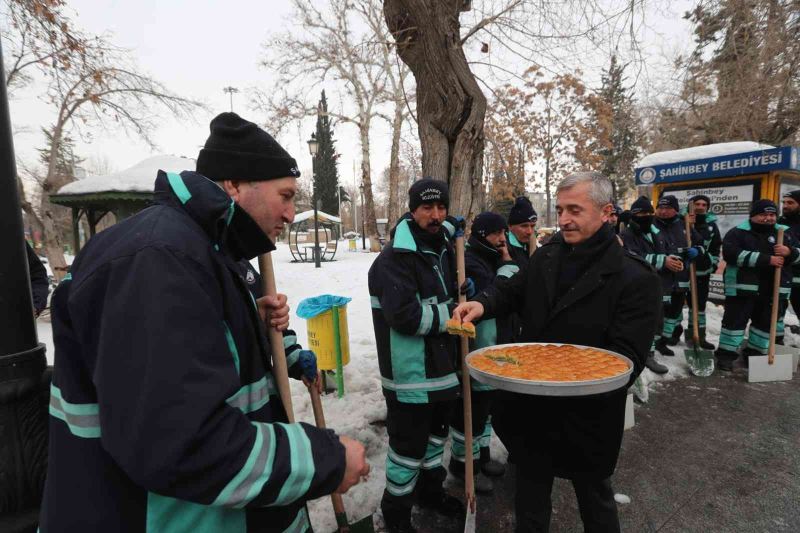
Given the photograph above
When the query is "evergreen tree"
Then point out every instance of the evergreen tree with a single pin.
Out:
(326, 173)
(623, 139)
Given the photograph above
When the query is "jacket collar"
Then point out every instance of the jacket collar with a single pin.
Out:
(404, 240)
(208, 205)
(593, 279)
(513, 241)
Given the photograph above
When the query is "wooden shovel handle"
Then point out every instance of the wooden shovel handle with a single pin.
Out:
(692, 280)
(469, 480)
(533, 244)
(773, 323)
(280, 370)
(319, 420)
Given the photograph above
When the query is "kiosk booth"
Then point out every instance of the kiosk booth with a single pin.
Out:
(733, 175)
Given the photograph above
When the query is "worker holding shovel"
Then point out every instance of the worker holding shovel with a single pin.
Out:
(751, 254)
(165, 415)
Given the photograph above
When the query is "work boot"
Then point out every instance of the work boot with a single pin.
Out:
(663, 349)
(676, 336)
(397, 520)
(654, 365)
(747, 353)
(704, 344)
(489, 467)
(442, 503)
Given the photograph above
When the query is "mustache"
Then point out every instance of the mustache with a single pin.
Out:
(434, 223)
(568, 227)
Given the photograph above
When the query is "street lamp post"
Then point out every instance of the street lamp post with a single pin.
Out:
(231, 91)
(313, 148)
(363, 235)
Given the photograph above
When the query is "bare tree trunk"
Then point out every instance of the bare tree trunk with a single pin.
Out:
(451, 106)
(547, 192)
(370, 224)
(53, 247)
(394, 166)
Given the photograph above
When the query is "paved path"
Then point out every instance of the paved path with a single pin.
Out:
(707, 455)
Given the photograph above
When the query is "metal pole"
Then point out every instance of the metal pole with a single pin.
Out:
(17, 321)
(316, 229)
(363, 235)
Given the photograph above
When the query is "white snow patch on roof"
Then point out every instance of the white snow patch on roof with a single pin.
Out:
(309, 215)
(701, 152)
(139, 178)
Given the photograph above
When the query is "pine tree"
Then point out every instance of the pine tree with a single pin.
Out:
(326, 173)
(623, 139)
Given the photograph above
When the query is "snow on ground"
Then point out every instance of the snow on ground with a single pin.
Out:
(362, 412)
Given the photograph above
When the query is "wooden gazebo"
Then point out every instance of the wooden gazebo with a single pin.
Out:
(122, 193)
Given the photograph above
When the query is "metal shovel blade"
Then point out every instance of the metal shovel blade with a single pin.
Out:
(700, 361)
(759, 369)
(365, 525)
(469, 523)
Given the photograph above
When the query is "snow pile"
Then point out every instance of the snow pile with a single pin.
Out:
(139, 178)
(701, 152)
(622, 498)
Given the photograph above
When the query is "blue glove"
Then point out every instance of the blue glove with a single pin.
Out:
(461, 226)
(692, 253)
(468, 288)
(308, 364)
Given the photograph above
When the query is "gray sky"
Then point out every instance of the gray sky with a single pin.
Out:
(198, 47)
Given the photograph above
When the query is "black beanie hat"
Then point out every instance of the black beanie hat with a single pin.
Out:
(669, 201)
(763, 206)
(794, 195)
(617, 210)
(642, 205)
(426, 191)
(240, 150)
(700, 197)
(487, 223)
(522, 211)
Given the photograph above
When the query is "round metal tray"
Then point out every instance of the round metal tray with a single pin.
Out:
(551, 388)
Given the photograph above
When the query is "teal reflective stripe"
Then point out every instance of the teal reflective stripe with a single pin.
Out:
(82, 419)
(451, 229)
(375, 301)
(506, 271)
(289, 341)
(249, 481)
(170, 515)
(231, 345)
(408, 363)
(485, 439)
(513, 241)
(251, 397)
(302, 465)
(301, 524)
(230, 213)
(444, 316)
(741, 259)
(730, 339)
(486, 333)
(660, 260)
(425, 320)
(400, 478)
(683, 284)
(292, 357)
(796, 280)
(666, 298)
(450, 380)
(458, 446)
(69, 276)
(753, 259)
(179, 187)
(433, 453)
(403, 239)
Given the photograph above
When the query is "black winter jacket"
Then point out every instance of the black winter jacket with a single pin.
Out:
(413, 293)
(40, 285)
(164, 413)
(673, 234)
(614, 306)
(650, 247)
(747, 254)
(792, 222)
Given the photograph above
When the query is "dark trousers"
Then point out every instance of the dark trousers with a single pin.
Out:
(702, 300)
(673, 312)
(481, 406)
(739, 310)
(795, 299)
(533, 505)
(417, 434)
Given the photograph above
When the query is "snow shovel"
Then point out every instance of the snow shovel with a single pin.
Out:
(773, 367)
(365, 525)
(469, 480)
(701, 361)
(280, 372)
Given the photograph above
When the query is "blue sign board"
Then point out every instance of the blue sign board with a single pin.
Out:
(760, 161)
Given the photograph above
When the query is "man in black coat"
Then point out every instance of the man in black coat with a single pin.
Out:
(791, 219)
(583, 289)
(40, 285)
